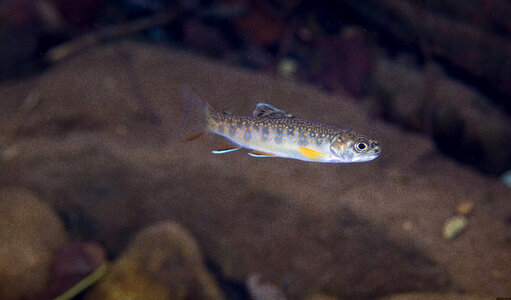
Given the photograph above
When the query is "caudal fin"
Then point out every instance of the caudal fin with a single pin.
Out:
(195, 115)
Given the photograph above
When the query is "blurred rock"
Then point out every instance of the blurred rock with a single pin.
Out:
(79, 15)
(492, 15)
(287, 67)
(204, 39)
(260, 25)
(320, 297)
(433, 296)
(78, 258)
(459, 43)
(465, 208)
(73, 262)
(259, 290)
(345, 62)
(162, 262)
(464, 123)
(30, 232)
(453, 227)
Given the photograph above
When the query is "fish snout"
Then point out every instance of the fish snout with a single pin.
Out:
(376, 147)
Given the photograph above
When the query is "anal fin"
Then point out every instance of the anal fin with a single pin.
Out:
(311, 154)
(225, 149)
(260, 154)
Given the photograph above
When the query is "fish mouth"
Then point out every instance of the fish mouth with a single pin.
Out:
(376, 149)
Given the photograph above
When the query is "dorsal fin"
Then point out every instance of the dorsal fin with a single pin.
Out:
(264, 110)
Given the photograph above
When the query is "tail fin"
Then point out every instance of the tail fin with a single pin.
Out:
(195, 114)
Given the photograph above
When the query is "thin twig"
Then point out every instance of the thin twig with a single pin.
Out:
(83, 284)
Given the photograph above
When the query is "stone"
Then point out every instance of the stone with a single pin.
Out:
(435, 296)
(320, 297)
(464, 123)
(260, 290)
(74, 262)
(162, 262)
(464, 208)
(30, 233)
(453, 227)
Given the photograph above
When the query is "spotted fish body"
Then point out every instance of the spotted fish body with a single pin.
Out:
(272, 132)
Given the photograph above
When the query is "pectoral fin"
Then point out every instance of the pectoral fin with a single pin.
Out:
(260, 154)
(225, 149)
(311, 154)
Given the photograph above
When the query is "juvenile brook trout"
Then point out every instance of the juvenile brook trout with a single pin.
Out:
(272, 132)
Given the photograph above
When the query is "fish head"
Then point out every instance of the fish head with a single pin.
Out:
(349, 146)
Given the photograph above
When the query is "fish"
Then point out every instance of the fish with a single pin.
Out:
(273, 132)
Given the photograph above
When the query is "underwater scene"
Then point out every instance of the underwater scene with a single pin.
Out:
(255, 149)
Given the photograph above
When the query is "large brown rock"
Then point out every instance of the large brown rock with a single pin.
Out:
(30, 232)
(162, 262)
(103, 143)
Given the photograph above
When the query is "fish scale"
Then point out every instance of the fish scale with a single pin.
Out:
(272, 132)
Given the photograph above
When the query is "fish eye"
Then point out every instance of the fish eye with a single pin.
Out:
(361, 146)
